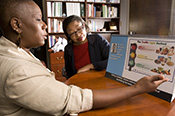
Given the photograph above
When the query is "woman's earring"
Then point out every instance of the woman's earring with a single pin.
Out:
(19, 40)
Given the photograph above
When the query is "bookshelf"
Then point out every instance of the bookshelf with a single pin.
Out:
(102, 16)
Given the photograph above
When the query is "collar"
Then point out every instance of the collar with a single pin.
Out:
(91, 38)
(10, 49)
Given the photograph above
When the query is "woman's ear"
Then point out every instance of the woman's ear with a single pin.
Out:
(15, 24)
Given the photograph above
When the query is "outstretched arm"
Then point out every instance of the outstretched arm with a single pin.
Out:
(102, 98)
(86, 68)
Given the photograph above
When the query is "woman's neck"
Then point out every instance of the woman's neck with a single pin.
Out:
(27, 50)
(81, 42)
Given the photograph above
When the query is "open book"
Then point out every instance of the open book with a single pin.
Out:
(132, 57)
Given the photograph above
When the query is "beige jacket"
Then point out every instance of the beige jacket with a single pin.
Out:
(27, 88)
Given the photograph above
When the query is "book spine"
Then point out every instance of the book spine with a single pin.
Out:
(61, 9)
(82, 10)
(49, 7)
(53, 9)
(103, 10)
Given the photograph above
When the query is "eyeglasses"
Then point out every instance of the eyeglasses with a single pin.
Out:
(79, 30)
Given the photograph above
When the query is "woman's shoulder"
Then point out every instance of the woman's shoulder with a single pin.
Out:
(69, 45)
(95, 35)
(68, 48)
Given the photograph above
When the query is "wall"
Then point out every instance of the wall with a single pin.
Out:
(124, 17)
(150, 17)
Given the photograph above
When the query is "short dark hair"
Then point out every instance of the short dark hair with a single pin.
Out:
(7, 7)
(70, 19)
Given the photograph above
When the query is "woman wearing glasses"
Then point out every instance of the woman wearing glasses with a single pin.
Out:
(84, 51)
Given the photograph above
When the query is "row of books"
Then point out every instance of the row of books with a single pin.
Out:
(72, 0)
(105, 11)
(52, 40)
(105, 1)
(55, 9)
(76, 9)
(54, 26)
(109, 11)
(92, 24)
(91, 10)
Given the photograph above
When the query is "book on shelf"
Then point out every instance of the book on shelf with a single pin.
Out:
(75, 0)
(89, 9)
(104, 10)
(49, 9)
(94, 12)
(90, 0)
(109, 11)
(133, 57)
(92, 24)
(49, 24)
(73, 9)
(113, 1)
(82, 10)
(52, 40)
(54, 9)
(58, 9)
(54, 25)
(114, 11)
(103, 1)
(81, 0)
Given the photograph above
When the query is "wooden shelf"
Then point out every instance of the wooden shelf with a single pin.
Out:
(112, 32)
(108, 3)
(65, 1)
(103, 18)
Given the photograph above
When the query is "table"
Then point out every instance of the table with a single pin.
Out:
(140, 105)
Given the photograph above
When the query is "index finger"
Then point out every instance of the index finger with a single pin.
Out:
(159, 77)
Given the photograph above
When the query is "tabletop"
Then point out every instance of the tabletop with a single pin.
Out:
(140, 105)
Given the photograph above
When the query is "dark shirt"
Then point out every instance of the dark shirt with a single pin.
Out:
(98, 51)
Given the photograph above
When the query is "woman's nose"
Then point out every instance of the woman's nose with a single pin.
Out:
(44, 26)
(78, 34)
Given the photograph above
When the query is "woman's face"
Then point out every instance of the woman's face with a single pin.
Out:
(77, 32)
(33, 28)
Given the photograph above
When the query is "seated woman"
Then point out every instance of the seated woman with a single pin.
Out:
(84, 51)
